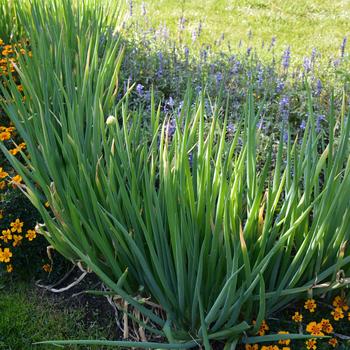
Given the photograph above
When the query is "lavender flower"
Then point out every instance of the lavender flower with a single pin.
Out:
(236, 67)
(307, 64)
(182, 23)
(231, 128)
(187, 52)
(342, 47)
(318, 87)
(273, 42)
(171, 102)
(249, 49)
(200, 28)
(194, 35)
(139, 89)
(302, 125)
(286, 58)
(284, 107)
(218, 78)
(179, 109)
(260, 76)
(280, 86)
(131, 8)
(313, 55)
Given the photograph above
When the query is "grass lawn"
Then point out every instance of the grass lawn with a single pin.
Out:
(29, 314)
(301, 24)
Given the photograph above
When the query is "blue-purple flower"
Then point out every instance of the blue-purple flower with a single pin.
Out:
(284, 107)
(286, 58)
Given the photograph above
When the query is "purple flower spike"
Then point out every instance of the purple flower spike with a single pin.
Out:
(284, 107)
(286, 58)
(139, 89)
(342, 47)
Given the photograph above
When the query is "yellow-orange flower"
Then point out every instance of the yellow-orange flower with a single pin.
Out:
(251, 347)
(2, 185)
(16, 226)
(297, 317)
(16, 180)
(310, 305)
(340, 302)
(3, 173)
(263, 327)
(326, 326)
(314, 328)
(5, 255)
(311, 344)
(31, 234)
(9, 268)
(337, 313)
(333, 342)
(6, 235)
(17, 240)
(270, 347)
(47, 267)
(5, 135)
(284, 341)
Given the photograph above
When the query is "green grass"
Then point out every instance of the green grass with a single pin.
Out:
(301, 24)
(27, 316)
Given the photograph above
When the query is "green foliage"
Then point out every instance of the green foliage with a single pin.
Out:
(184, 214)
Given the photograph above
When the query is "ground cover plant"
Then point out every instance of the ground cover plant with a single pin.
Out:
(178, 204)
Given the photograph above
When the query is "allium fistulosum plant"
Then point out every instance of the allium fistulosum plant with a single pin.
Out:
(186, 215)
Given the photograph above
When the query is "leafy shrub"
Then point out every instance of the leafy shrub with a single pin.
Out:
(178, 210)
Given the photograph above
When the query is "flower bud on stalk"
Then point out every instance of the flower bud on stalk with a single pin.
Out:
(111, 120)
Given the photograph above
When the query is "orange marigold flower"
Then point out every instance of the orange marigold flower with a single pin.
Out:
(251, 347)
(2, 185)
(31, 234)
(16, 226)
(6, 235)
(311, 344)
(333, 342)
(16, 180)
(340, 302)
(9, 268)
(47, 267)
(297, 317)
(326, 326)
(17, 240)
(263, 327)
(310, 305)
(14, 151)
(3, 173)
(284, 341)
(5, 135)
(337, 313)
(5, 255)
(314, 328)
(270, 347)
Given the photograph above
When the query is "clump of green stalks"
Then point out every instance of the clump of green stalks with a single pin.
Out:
(185, 216)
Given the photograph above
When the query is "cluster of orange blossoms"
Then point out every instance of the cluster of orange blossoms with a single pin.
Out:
(13, 237)
(313, 328)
